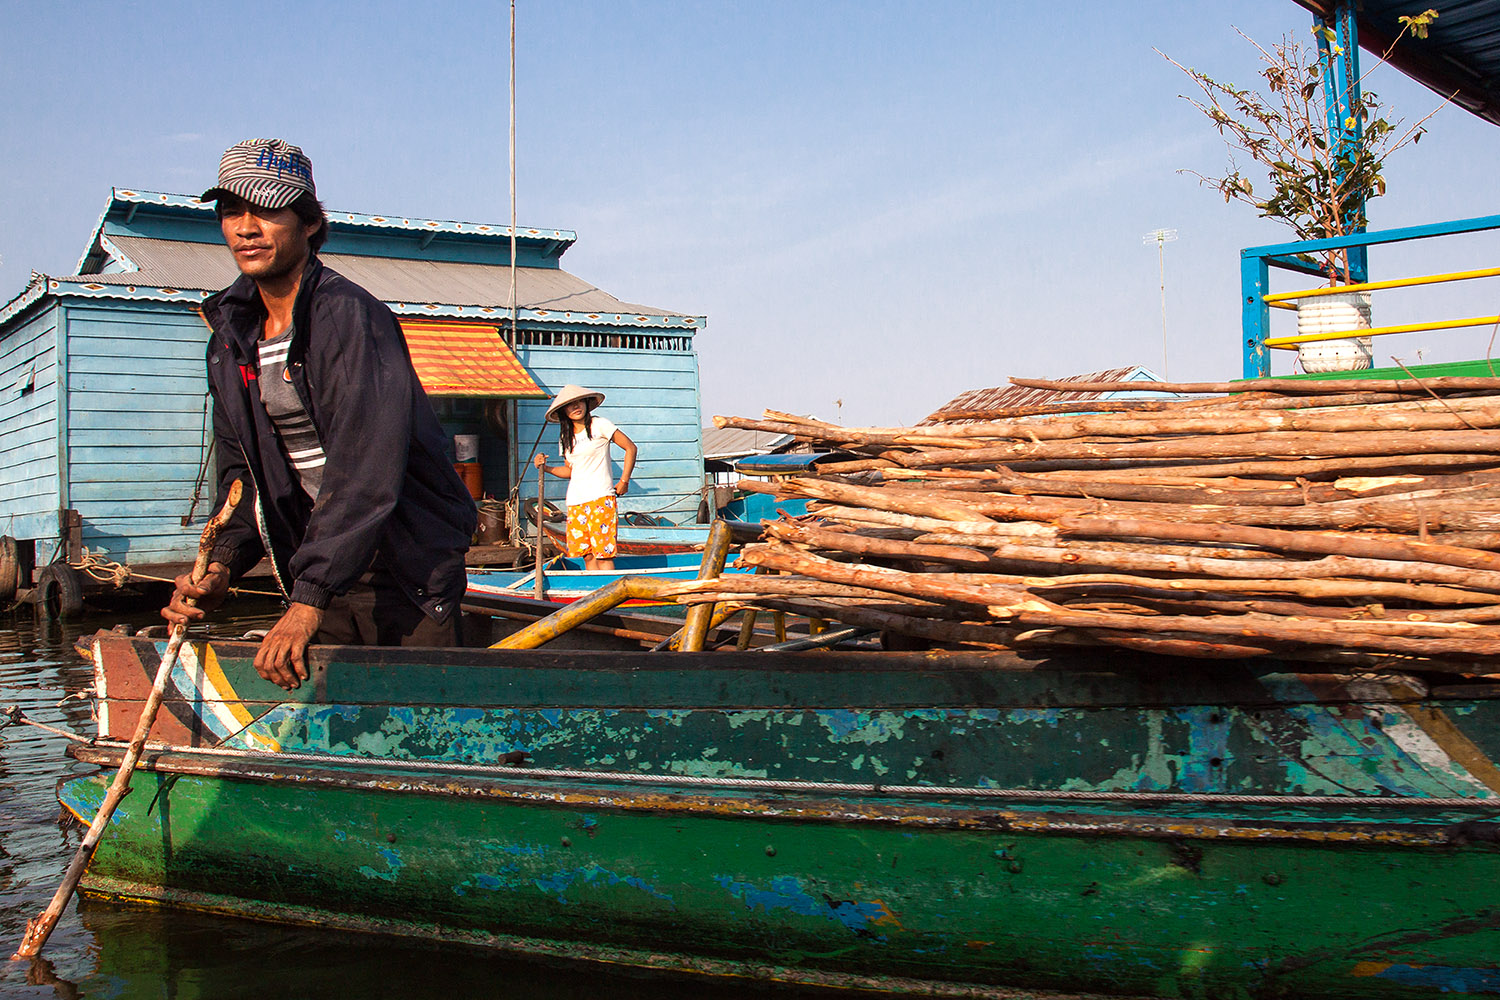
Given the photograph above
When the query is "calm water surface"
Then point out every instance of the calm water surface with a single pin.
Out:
(110, 951)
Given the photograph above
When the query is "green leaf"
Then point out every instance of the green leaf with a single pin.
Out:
(1418, 24)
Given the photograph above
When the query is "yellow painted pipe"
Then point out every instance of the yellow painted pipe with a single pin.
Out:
(747, 630)
(1380, 331)
(568, 617)
(1373, 286)
(715, 552)
(722, 613)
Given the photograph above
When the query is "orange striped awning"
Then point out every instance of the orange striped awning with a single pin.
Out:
(466, 359)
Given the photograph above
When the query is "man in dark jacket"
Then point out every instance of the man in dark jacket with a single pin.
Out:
(349, 491)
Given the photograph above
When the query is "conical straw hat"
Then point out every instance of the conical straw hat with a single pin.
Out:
(572, 394)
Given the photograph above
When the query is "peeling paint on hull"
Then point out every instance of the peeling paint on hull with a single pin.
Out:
(1039, 908)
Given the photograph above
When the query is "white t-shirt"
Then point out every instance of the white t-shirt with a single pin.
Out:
(592, 476)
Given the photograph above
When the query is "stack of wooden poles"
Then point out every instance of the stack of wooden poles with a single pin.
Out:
(1349, 522)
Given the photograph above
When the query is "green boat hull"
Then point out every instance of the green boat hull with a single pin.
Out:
(675, 816)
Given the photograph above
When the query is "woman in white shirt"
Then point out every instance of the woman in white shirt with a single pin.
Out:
(584, 441)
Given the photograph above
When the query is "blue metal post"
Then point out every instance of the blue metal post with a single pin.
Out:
(1255, 315)
(1341, 97)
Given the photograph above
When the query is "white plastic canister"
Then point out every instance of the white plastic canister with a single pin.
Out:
(1332, 314)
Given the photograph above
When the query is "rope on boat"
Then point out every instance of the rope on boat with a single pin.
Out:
(783, 785)
(106, 570)
(206, 443)
(12, 716)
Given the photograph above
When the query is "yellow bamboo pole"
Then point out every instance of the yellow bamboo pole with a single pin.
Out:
(613, 594)
(715, 552)
(747, 630)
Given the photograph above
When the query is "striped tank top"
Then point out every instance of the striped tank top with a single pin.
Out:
(299, 439)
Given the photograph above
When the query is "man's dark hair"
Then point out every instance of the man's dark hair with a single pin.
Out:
(310, 210)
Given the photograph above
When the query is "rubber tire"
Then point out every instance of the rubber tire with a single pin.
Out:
(59, 591)
(10, 569)
(705, 516)
(551, 513)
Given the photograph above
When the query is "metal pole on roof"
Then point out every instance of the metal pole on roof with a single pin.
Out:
(512, 335)
(1161, 237)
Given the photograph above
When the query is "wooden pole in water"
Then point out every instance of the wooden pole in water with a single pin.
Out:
(541, 500)
(39, 928)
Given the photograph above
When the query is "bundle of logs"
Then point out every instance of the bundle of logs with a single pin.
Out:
(1349, 522)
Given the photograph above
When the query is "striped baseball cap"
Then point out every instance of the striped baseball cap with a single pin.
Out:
(269, 173)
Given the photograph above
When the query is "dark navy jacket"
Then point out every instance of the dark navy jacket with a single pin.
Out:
(389, 495)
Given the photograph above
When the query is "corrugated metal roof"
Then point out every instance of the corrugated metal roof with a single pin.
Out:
(1460, 55)
(725, 443)
(1008, 396)
(209, 266)
(496, 230)
(123, 203)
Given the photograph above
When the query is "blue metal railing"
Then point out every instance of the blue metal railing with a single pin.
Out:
(1256, 264)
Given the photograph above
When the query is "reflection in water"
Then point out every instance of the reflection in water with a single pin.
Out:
(42, 973)
(123, 953)
(201, 957)
(37, 669)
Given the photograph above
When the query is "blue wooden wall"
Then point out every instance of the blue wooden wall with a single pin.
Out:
(132, 429)
(650, 395)
(29, 488)
(135, 428)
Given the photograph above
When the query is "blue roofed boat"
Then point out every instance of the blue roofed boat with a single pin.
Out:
(565, 580)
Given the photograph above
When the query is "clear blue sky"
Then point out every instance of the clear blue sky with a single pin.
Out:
(876, 203)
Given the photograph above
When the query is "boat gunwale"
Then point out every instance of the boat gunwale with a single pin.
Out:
(1173, 687)
(1009, 815)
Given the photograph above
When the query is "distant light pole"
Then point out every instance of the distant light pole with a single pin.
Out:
(1161, 237)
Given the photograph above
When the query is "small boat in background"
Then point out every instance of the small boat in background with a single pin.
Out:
(639, 534)
(566, 580)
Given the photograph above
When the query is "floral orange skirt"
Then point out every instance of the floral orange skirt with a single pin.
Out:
(592, 528)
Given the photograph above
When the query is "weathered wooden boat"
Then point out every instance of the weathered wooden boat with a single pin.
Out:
(565, 579)
(1119, 824)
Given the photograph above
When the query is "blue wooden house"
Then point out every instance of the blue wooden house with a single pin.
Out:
(104, 430)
